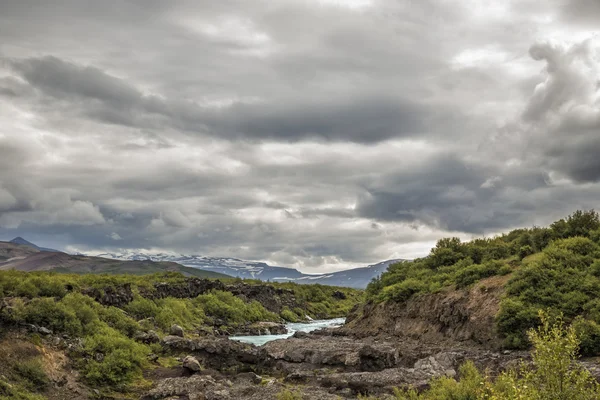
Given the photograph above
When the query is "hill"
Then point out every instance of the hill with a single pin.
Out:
(490, 291)
(357, 278)
(20, 240)
(23, 257)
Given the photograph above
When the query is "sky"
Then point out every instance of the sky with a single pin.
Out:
(315, 134)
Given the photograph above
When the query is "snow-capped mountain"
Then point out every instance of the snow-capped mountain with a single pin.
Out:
(356, 278)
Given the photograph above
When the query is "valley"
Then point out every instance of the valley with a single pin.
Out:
(454, 323)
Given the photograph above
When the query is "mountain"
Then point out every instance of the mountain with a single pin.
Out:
(355, 278)
(27, 258)
(21, 241)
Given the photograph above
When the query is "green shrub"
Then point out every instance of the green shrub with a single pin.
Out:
(525, 251)
(32, 373)
(403, 291)
(289, 315)
(553, 374)
(588, 333)
(287, 394)
(113, 359)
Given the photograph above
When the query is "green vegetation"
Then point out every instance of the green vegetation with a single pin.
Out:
(287, 394)
(23, 380)
(109, 356)
(555, 268)
(552, 375)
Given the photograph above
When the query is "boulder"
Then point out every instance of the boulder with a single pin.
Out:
(177, 330)
(44, 331)
(147, 337)
(191, 364)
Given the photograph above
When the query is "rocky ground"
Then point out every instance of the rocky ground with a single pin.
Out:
(326, 364)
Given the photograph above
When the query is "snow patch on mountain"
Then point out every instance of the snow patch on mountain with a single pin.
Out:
(356, 277)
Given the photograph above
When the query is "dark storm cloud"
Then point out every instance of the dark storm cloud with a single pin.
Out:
(310, 133)
(578, 11)
(111, 100)
(563, 114)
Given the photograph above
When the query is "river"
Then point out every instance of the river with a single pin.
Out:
(291, 327)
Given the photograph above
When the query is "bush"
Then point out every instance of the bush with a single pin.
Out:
(113, 359)
(287, 394)
(289, 315)
(588, 333)
(33, 374)
(525, 251)
(404, 290)
(553, 374)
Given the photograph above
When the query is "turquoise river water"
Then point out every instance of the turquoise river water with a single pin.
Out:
(291, 327)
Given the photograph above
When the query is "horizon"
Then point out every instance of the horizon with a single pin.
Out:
(151, 252)
(310, 134)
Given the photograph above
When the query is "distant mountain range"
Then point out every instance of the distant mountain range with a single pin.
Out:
(21, 254)
(28, 257)
(355, 278)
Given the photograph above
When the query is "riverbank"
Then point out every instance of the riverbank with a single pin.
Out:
(292, 328)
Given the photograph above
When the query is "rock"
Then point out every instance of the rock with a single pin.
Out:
(188, 289)
(31, 328)
(191, 364)
(218, 353)
(377, 359)
(249, 376)
(152, 337)
(116, 296)
(301, 335)
(176, 330)
(152, 357)
(339, 295)
(44, 331)
(147, 337)
(196, 387)
(263, 328)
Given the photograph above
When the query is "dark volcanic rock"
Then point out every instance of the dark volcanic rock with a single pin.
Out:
(219, 353)
(339, 295)
(188, 289)
(273, 299)
(147, 337)
(263, 328)
(116, 296)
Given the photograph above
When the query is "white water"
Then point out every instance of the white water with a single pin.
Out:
(291, 327)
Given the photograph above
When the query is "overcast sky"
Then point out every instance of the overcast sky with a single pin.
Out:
(316, 134)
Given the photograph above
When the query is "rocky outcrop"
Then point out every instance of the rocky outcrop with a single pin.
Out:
(314, 352)
(447, 318)
(273, 299)
(263, 328)
(219, 353)
(187, 289)
(196, 387)
(115, 296)
(204, 387)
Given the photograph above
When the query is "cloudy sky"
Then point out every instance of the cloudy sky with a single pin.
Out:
(316, 134)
